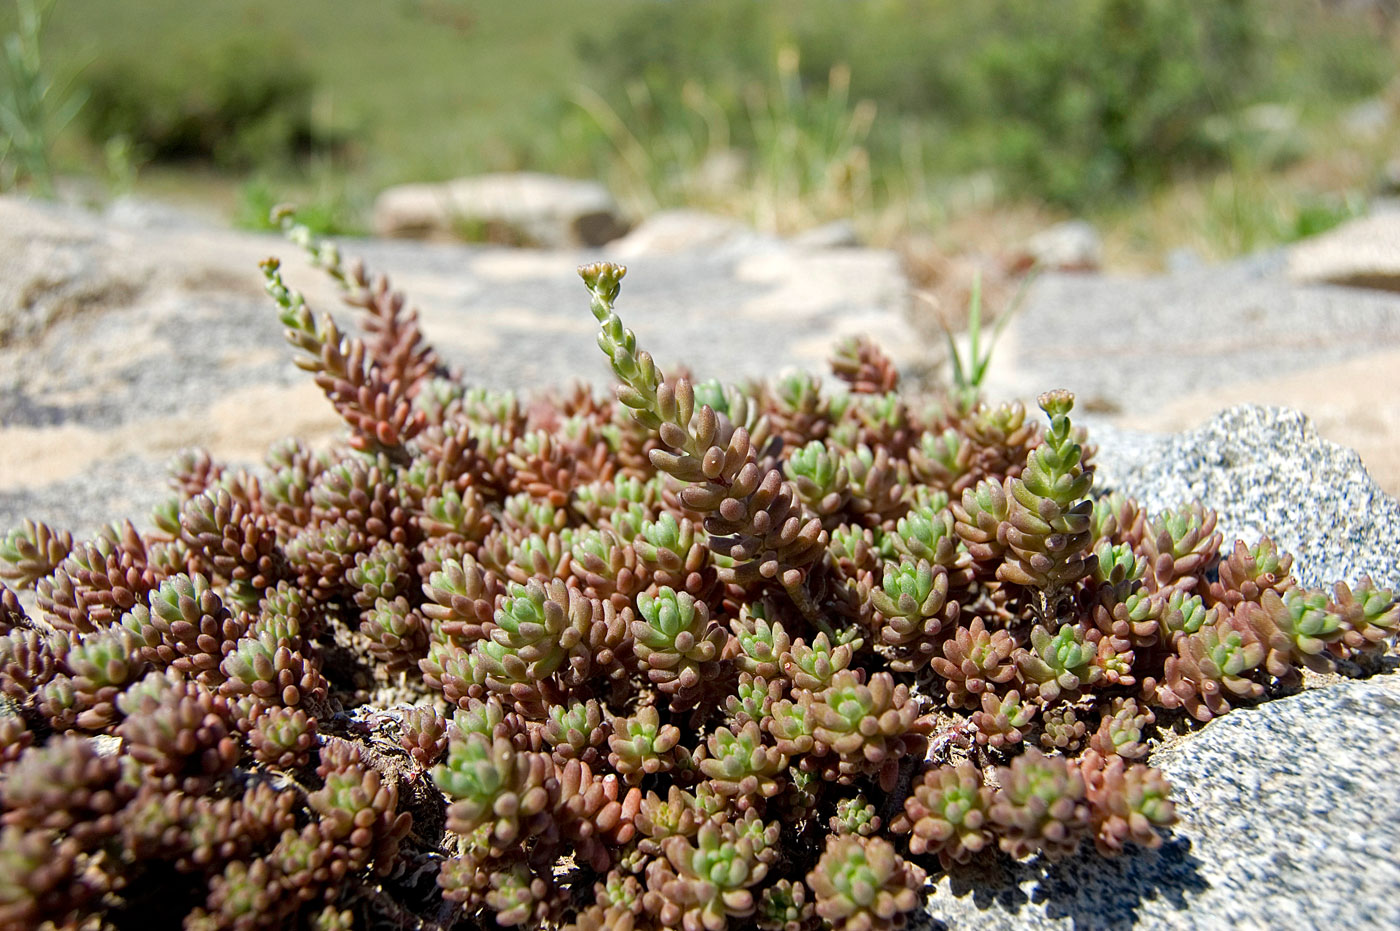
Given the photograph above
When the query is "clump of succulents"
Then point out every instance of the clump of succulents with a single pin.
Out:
(693, 656)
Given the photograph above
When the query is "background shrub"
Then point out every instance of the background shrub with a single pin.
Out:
(238, 103)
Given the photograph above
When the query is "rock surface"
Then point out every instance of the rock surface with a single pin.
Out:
(1166, 352)
(1265, 470)
(1363, 253)
(1289, 818)
(126, 345)
(1070, 246)
(519, 208)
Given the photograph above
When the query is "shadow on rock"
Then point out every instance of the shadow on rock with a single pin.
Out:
(1086, 893)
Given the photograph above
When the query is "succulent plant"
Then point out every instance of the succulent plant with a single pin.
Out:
(861, 884)
(1040, 806)
(946, 814)
(1048, 514)
(682, 636)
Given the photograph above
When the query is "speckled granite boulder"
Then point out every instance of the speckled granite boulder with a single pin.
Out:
(1265, 470)
(1290, 818)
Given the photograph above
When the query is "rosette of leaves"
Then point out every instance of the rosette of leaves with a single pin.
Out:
(244, 895)
(1370, 616)
(1057, 664)
(974, 659)
(913, 610)
(1047, 532)
(362, 492)
(520, 896)
(262, 668)
(862, 884)
(282, 737)
(1180, 545)
(180, 731)
(595, 502)
(797, 408)
(494, 787)
(606, 566)
(424, 735)
(322, 554)
(287, 614)
(868, 727)
(1249, 571)
(676, 643)
(757, 645)
(1212, 666)
(677, 815)
(1061, 729)
(675, 556)
(523, 515)
(1179, 615)
(864, 366)
(1299, 628)
(459, 674)
(461, 600)
(702, 884)
(1003, 719)
(539, 629)
(45, 877)
(742, 766)
(187, 627)
(943, 460)
(240, 546)
(1122, 730)
(878, 485)
(358, 808)
(383, 572)
(821, 480)
(286, 490)
(752, 699)
(1127, 803)
(576, 730)
(1124, 610)
(455, 516)
(102, 664)
(927, 532)
(855, 815)
(1001, 438)
(947, 814)
(876, 420)
(812, 668)
(397, 634)
(641, 745)
(858, 551)
(97, 581)
(15, 735)
(786, 906)
(1040, 807)
(31, 551)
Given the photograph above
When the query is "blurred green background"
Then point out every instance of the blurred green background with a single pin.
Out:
(1223, 126)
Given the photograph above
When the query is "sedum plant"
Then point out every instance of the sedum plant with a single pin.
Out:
(693, 656)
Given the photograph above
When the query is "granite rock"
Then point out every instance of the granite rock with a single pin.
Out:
(1289, 818)
(1264, 470)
